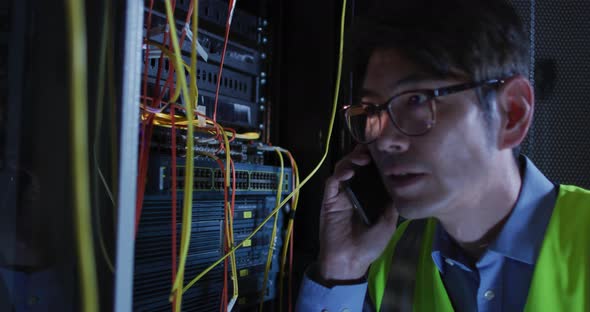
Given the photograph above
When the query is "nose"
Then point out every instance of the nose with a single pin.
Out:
(391, 139)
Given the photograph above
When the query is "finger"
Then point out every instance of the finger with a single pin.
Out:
(360, 148)
(344, 169)
(359, 156)
(331, 189)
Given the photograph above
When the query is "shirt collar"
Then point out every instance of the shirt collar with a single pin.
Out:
(522, 235)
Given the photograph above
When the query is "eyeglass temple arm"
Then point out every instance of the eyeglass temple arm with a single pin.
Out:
(466, 86)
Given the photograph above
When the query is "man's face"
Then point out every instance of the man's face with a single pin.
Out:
(443, 170)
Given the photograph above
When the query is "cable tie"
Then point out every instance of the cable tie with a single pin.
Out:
(189, 32)
(189, 36)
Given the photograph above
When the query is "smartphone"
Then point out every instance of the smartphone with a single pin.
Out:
(367, 193)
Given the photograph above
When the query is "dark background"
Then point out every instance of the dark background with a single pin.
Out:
(34, 106)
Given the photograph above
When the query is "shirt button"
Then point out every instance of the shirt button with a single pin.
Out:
(450, 262)
(489, 295)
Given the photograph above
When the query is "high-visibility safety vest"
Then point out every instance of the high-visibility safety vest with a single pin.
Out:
(561, 278)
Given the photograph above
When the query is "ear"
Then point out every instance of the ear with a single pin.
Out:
(516, 101)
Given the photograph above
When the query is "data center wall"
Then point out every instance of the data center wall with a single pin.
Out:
(307, 66)
(558, 141)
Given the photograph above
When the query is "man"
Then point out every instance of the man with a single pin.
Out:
(444, 104)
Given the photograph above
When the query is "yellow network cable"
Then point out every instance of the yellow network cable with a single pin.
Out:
(242, 136)
(313, 172)
(247, 135)
(229, 220)
(75, 14)
(165, 120)
(189, 169)
(234, 267)
(289, 229)
(274, 231)
(228, 226)
(193, 95)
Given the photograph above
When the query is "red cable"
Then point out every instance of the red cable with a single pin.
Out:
(147, 49)
(168, 83)
(227, 241)
(186, 21)
(147, 127)
(139, 193)
(143, 166)
(233, 187)
(159, 93)
(291, 236)
(233, 200)
(227, 25)
(223, 306)
(233, 131)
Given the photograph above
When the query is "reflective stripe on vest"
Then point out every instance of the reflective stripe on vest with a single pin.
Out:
(561, 279)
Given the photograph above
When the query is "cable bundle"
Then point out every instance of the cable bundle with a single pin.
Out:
(183, 117)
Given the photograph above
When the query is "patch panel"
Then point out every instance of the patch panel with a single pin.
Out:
(233, 84)
(215, 12)
(237, 56)
(162, 141)
(231, 112)
(203, 178)
(253, 179)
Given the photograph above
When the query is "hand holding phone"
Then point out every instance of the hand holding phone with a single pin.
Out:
(349, 242)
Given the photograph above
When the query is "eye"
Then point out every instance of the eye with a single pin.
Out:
(356, 110)
(370, 108)
(416, 99)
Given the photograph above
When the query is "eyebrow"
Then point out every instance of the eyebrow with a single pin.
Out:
(407, 80)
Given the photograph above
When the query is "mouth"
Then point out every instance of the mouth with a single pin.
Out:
(404, 180)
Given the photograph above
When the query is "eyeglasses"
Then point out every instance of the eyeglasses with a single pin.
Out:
(412, 112)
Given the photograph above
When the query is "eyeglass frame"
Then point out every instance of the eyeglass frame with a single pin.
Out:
(431, 94)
